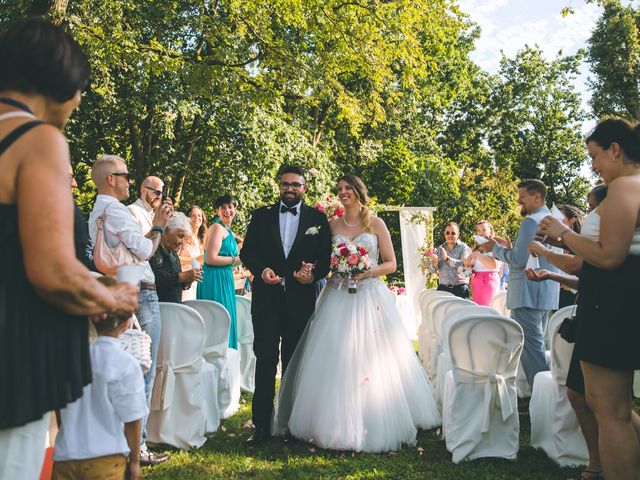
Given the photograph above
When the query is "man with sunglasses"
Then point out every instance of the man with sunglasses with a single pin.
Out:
(287, 248)
(145, 206)
(113, 180)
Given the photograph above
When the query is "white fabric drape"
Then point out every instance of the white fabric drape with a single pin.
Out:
(412, 234)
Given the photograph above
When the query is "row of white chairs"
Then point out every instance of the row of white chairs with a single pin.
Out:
(198, 377)
(471, 354)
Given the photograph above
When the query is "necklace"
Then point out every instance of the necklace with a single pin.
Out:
(344, 219)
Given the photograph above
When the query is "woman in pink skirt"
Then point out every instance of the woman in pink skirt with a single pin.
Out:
(485, 280)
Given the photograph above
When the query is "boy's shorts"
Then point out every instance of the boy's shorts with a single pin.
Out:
(110, 467)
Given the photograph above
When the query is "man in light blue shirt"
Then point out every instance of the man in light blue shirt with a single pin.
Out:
(528, 301)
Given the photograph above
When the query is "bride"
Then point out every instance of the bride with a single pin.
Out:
(354, 381)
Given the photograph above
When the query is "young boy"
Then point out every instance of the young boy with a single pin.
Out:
(102, 429)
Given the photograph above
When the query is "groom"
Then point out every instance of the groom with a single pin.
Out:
(287, 248)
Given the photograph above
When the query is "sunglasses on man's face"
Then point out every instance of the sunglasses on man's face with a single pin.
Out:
(127, 175)
(449, 233)
(158, 193)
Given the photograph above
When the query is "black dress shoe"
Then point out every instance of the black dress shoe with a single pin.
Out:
(260, 436)
(149, 458)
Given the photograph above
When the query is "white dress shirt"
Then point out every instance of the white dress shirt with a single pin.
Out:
(143, 214)
(288, 227)
(120, 226)
(93, 425)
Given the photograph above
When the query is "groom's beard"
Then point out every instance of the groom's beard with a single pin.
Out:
(291, 200)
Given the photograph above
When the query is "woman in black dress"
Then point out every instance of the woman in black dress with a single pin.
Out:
(609, 323)
(45, 292)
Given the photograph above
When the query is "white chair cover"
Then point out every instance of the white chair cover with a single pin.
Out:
(454, 313)
(426, 296)
(177, 414)
(439, 313)
(499, 303)
(480, 411)
(554, 426)
(245, 344)
(217, 352)
(430, 341)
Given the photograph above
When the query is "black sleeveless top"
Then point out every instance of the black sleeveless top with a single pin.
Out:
(44, 352)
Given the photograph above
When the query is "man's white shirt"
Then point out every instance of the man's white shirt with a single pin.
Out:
(288, 227)
(143, 214)
(120, 226)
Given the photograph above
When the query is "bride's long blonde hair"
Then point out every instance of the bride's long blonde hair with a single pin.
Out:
(362, 194)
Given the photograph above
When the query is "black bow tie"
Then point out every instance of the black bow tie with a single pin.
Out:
(291, 210)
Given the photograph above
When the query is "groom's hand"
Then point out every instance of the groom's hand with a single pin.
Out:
(270, 278)
(305, 274)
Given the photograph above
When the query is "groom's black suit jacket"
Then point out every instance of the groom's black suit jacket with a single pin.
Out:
(262, 248)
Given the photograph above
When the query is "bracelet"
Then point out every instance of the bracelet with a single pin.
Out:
(233, 260)
(158, 229)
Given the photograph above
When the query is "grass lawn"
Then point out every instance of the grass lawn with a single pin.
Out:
(226, 456)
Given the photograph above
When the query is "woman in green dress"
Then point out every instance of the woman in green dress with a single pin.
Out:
(220, 256)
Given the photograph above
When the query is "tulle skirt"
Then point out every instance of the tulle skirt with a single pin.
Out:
(354, 381)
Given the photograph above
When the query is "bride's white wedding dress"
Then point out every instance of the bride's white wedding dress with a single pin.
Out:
(354, 381)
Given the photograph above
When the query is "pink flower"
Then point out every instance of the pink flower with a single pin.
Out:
(402, 291)
(353, 259)
(319, 207)
(430, 251)
(334, 261)
(344, 251)
(339, 212)
(313, 171)
(362, 250)
(340, 245)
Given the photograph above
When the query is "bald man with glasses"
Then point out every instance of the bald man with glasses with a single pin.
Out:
(143, 209)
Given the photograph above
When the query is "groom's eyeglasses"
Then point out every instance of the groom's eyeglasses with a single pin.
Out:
(292, 185)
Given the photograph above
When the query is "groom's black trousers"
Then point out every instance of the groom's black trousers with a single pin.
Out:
(276, 321)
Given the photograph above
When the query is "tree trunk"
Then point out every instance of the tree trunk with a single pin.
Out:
(54, 9)
(137, 148)
(190, 144)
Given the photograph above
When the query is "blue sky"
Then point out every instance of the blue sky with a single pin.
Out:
(508, 25)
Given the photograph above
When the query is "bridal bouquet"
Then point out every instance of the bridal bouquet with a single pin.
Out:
(348, 258)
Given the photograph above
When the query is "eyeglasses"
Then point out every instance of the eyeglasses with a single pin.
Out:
(449, 233)
(157, 192)
(127, 175)
(293, 185)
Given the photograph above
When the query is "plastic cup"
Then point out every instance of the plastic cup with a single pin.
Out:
(130, 273)
(195, 264)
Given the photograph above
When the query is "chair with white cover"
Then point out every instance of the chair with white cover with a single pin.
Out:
(245, 344)
(177, 415)
(480, 411)
(424, 330)
(429, 335)
(554, 425)
(453, 313)
(499, 303)
(217, 352)
(426, 327)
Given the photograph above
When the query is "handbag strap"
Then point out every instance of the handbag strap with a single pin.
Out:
(136, 323)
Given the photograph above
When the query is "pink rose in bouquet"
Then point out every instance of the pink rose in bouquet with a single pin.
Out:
(330, 206)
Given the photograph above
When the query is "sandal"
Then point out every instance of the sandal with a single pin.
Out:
(591, 475)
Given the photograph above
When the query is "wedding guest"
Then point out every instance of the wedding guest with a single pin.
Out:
(99, 435)
(573, 218)
(568, 262)
(485, 277)
(448, 262)
(171, 281)
(221, 255)
(46, 293)
(112, 179)
(146, 204)
(193, 248)
(528, 301)
(596, 195)
(607, 308)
